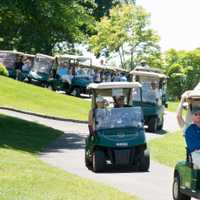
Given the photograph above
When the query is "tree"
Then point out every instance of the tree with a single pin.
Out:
(103, 6)
(125, 31)
(183, 70)
(36, 26)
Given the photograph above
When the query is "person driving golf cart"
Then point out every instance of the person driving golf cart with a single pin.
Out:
(118, 101)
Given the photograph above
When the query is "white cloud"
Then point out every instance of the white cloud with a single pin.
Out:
(177, 22)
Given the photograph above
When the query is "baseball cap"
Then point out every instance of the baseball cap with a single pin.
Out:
(195, 110)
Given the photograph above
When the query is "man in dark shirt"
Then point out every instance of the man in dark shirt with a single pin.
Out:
(192, 137)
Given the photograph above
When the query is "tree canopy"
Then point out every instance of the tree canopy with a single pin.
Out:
(103, 6)
(126, 32)
(35, 26)
(183, 70)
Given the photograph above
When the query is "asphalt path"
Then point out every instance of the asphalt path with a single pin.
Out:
(68, 153)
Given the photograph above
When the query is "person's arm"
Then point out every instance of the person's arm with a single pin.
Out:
(90, 122)
(179, 115)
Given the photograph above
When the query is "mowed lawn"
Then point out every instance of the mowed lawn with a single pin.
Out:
(172, 106)
(41, 100)
(168, 149)
(24, 177)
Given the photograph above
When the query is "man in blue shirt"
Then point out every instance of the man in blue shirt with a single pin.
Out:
(192, 137)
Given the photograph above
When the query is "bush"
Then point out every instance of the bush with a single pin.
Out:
(3, 70)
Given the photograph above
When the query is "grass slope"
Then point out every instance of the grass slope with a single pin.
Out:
(32, 98)
(23, 176)
(168, 149)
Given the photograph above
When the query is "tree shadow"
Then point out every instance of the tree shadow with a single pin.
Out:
(25, 136)
(69, 141)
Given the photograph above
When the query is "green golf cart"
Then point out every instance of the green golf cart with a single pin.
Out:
(71, 74)
(28, 60)
(153, 96)
(186, 182)
(41, 70)
(118, 137)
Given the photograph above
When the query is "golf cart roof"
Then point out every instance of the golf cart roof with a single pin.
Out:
(120, 69)
(11, 52)
(148, 72)
(113, 85)
(194, 94)
(197, 87)
(44, 56)
(148, 69)
(74, 57)
(29, 55)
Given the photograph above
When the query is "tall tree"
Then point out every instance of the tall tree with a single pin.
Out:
(126, 32)
(37, 25)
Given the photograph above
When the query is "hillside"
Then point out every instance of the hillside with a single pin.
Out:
(41, 100)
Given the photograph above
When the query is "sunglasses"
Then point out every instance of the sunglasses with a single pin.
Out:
(197, 114)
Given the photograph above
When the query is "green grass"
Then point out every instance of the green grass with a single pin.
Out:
(24, 177)
(32, 98)
(172, 106)
(168, 149)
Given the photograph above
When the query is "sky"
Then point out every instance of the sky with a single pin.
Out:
(176, 21)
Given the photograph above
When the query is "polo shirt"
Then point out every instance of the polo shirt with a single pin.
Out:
(192, 137)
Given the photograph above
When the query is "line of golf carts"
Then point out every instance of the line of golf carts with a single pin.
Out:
(44, 70)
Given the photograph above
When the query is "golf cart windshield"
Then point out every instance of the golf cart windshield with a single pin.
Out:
(149, 94)
(42, 65)
(8, 59)
(118, 117)
(82, 72)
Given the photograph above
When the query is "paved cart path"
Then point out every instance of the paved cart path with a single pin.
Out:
(68, 153)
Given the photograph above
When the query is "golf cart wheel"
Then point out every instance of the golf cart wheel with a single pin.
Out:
(144, 161)
(29, 80)
(153, 124)
(161, 123)
(76, 92)
(177, 195)
(50, 87)
(88, 163)
(98, 161)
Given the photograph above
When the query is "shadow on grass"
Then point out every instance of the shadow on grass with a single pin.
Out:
(160, 132)
(25, 136)
(67, 141)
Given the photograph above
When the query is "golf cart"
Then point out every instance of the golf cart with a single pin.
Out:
(153, 97)
(118, 137)
(28, 60)
(8, 58)
(41, 70)
(70, 75)
(186, 182)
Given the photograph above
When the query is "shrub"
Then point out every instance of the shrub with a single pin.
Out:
(3, 70)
